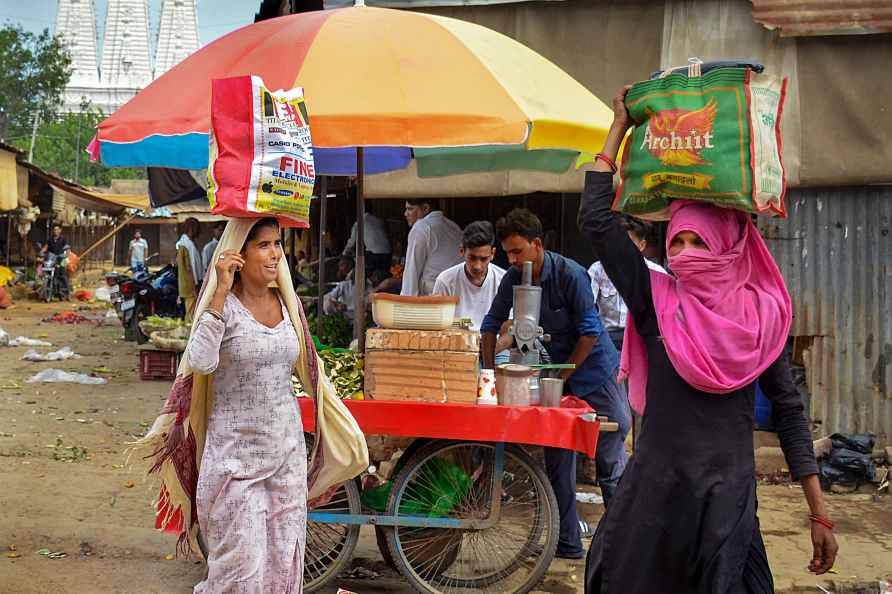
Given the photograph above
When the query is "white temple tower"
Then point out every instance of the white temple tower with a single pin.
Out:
(126, 64)
(76, 24)
(177, 34)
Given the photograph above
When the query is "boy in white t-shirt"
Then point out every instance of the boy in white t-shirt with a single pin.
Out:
(476, 280)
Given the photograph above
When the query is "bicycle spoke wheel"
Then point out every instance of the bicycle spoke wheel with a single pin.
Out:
(454, 480)
(330, 546)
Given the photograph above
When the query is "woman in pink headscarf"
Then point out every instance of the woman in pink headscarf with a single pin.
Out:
(683, 519)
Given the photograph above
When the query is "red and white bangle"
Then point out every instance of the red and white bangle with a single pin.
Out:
(610, 162)
(821, 520)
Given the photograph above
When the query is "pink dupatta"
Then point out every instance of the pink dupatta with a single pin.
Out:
(725, 316)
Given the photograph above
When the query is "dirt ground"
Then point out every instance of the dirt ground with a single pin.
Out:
(63, 487)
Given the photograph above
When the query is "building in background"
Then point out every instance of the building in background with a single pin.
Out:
(126, 66)
(177, 34)
(76, 24)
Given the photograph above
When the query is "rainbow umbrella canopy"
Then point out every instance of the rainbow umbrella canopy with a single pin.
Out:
(455, 96)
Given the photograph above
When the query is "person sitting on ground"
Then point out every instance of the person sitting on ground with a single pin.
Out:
(390, 283)
(476, 280)
(683, 518)
(342, 298)
(610, 305)
(304, 266)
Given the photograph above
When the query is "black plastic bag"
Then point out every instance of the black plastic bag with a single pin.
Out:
(859, 442)
(850, 463)
(831, 475)
(853, 462)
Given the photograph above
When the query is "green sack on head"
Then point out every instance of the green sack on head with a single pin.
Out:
(714, 138)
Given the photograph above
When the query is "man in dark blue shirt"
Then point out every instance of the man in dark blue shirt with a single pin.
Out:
(58, 245)
(577, 336)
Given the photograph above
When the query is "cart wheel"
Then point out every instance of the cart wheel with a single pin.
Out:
(453, 479)
(381, 531)
(330, 546)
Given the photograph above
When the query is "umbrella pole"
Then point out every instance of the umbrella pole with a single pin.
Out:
(359, 267)
(320, 278)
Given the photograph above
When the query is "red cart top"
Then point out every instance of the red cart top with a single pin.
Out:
(574, 426)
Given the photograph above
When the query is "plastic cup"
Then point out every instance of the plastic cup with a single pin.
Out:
(551, 392)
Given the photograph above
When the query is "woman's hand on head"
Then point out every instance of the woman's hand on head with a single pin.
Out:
(621, 117)
(226, 265)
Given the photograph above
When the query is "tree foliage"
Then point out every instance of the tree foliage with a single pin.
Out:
(34, 70)
(60, 147)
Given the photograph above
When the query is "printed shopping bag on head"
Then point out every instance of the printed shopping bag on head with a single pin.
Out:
(713, 137)
(261, 153)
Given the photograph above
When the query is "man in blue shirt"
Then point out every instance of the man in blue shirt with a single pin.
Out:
(577, 336)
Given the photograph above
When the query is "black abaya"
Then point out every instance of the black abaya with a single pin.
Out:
(683, 519)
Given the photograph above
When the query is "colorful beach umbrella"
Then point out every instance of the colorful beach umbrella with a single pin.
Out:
(455, 96)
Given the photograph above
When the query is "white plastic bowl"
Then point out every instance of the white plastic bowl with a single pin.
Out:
(435, 312)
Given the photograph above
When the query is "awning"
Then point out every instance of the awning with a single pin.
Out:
(802, 18)
(89, 199)
(13, 192)
(199, 209)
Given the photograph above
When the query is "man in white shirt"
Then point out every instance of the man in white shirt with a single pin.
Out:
(476, 280)
(208, 251)
(139, 248)
(377, 245)
(613, 311)
(433, 246)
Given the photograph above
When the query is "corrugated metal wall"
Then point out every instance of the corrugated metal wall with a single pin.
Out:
(835, 251)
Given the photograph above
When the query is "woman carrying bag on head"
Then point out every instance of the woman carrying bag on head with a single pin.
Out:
(683, 519)
(229, 444)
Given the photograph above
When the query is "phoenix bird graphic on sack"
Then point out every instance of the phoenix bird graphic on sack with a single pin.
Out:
(677, 136)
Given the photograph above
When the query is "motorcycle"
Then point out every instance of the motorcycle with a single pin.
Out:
(115, 280)
(142, 295)
(52, 274)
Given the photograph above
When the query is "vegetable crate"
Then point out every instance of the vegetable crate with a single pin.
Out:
(157, 364)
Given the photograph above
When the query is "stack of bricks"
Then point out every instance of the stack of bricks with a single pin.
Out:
(425, 365)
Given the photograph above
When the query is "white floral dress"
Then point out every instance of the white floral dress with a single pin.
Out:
(252, 482)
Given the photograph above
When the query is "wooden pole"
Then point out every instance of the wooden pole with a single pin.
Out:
(8, 236)
(114, 251)
(359, 267)
(107, 236)
(320, 278)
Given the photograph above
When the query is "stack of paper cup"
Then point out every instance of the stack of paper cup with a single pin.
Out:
(486, 387)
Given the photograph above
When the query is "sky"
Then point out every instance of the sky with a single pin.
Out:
(215, 17)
